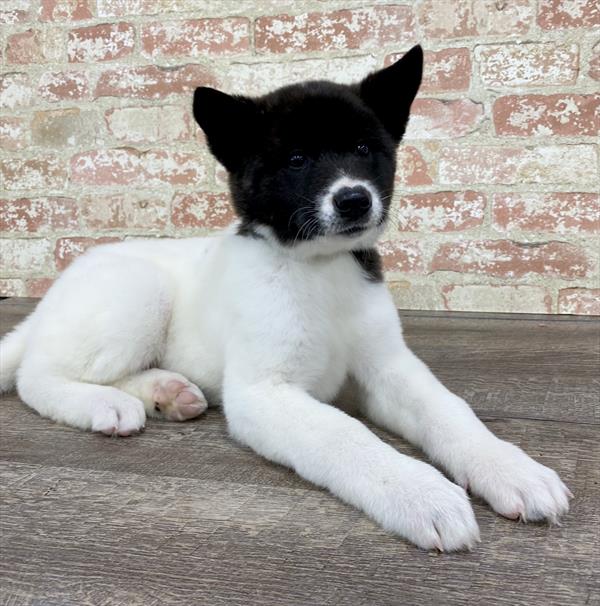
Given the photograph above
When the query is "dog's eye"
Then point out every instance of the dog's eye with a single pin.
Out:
(296, 160)
(362, 149)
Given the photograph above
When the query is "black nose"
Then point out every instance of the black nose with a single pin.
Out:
(352, 202)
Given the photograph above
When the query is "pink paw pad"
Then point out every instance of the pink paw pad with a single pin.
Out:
(515, 515)
(179, 401)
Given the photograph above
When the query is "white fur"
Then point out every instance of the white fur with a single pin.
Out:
(327, 214)
(274, 333)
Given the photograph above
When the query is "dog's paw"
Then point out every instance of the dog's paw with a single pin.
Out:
(119, 418)
(431, 512)
(178, 399)
(516, 486)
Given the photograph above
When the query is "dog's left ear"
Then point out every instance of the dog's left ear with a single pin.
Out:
(229, 122)
(390, 92)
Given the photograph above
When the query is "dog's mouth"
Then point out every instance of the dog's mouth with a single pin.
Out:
(351, 230)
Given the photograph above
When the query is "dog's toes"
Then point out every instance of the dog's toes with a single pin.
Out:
(516, 486)
(179, 400)
(119, 418)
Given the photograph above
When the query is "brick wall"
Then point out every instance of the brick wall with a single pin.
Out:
(497, 188)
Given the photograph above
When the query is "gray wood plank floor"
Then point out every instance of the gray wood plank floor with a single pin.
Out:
(182, 515)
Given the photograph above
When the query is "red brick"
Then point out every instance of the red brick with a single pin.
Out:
(196, 37)
(417, 293)
(107, 167)
(127, 166)
(63, 86)
(124, 211)
(436, 119)
(63, 128)
(14, 133)
(508, 259)
(38, 173)
(466, 18)
(149, 124)
(175, 168)
(103, 42)
(402, 256)
(440, 211)
(65, 10)
(490, 297)
(27, 47)
(448, 19)
(561, 114)
(15, 90)
(465, 165)
(24, 47)
(202, 209)
(32, 287)
(556, 212)
(534, 63)
(38, 215)
(24, 257)
(153, 82)
(257, 78)
(469, 164)
(38, 287)
(68, 249)
(412, 169)
(504, 17)
(580, 301)
(372, 27)
(445, 70)
(558, 14)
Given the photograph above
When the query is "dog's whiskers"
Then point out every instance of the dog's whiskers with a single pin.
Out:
(309, 222)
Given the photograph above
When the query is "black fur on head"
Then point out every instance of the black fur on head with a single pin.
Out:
(283, 150)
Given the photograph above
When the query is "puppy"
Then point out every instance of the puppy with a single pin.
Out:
(272, 319)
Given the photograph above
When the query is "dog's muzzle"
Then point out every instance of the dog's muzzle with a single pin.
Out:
(352, 203)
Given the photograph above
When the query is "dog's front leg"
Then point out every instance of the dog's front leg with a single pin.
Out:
(405, 397)
(333, 450)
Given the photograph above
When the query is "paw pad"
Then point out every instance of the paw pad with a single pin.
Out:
(178, 400)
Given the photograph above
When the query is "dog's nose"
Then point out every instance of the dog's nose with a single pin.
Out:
(352, 202)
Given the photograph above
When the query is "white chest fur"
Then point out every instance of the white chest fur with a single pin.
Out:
(268, 314)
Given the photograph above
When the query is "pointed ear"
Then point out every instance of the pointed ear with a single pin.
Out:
(390, 92)
(229, 123)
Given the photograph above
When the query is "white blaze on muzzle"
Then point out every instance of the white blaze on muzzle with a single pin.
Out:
(327, 213)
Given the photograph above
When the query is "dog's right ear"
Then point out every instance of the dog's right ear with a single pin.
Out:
(229, 123)
(390, 92)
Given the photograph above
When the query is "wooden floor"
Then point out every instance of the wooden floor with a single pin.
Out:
(182, 515)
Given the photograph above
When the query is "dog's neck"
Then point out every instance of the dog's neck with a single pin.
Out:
(320, 247)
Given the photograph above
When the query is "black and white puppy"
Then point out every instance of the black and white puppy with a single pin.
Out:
(273, 317)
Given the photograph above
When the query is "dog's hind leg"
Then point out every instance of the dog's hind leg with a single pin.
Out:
(165, 393)
(105, 319)
(84, 405)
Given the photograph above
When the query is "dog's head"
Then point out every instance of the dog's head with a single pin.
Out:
(312, 165)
